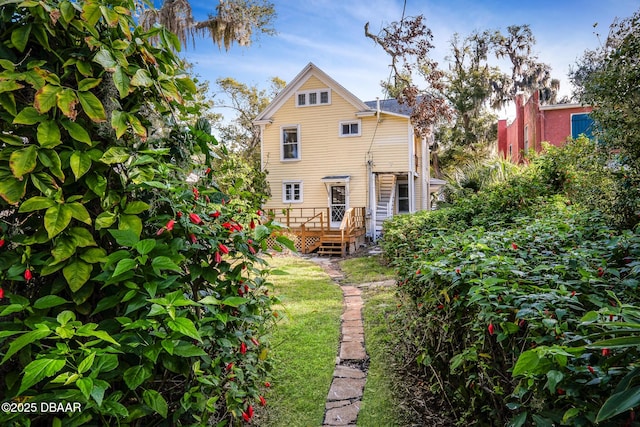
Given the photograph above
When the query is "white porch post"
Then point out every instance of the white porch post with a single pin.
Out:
(424, 173)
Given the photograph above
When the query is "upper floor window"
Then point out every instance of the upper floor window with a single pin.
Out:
(310, 98)
(350, 128)
(290, 142)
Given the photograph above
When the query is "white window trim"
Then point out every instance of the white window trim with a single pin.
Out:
(318, 97)
(284, 193)
(349, 122)
(282, 158)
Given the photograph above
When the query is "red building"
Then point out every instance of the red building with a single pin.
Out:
(535, 123)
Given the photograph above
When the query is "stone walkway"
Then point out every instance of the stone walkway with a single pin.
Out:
(350, 374)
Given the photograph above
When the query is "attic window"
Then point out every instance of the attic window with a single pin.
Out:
(310, 98)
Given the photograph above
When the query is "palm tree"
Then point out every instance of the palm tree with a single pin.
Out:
(235, 21)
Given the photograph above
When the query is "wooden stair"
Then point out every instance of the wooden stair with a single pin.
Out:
(331, 244)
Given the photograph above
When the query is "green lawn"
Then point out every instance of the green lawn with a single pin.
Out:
(305, 344)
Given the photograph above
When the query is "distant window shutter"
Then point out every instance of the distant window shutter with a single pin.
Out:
(581, 124)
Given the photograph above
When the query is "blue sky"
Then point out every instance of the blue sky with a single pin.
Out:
(330, 33)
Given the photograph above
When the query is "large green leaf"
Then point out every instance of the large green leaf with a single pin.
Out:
(36, 203)
(164, 263)
(136, 207)
(136, 375)
(28, 116)
(98, 184)
(77, 273)
(88, 84)
(67, 101)
(23, 161)
(121, 80)
(91, 13)
(64, 249)
(619, 403)
(11, 188)
(142, 77)
(124, 265)
(28, 338)
(115, 155)
(119, 122)
(49, 301)
(20, 36)
(38, 370)
(184, 326)
(51, 160)
(155, 401)
(130, 222)
(94, 255)
(9, 86)
(48, 134)
(56, 219)
(76, 131)
(46, 98)
(105, 58)
(80, 163)
(82, 237)
(92, 107)
(105, 220)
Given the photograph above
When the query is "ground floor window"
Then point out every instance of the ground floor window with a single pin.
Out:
(292, 192)
(403, 197)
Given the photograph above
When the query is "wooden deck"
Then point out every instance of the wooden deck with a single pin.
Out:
(313, 233)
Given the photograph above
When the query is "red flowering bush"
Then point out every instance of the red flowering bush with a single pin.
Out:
(520, 317)
(118, 288)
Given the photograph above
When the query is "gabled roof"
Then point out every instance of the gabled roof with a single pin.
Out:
(295, 84)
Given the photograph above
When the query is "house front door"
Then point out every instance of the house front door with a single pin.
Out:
(337, 204)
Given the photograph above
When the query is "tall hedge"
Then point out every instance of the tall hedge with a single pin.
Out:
(134, 296)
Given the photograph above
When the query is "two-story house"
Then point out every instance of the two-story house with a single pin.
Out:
(337, 166)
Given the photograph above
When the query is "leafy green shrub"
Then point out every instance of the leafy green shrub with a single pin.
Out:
(519, 302)
(124, 289)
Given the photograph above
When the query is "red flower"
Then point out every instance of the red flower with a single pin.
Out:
(252, 250)
(1, 293)
(259, 212)
(215, 214)
(490, 328)
(521, 323)
(441, 306)
(208, 171)
(2, 242)
(418, 272)
(605, 352)
(255, 342)
(170, 224)
(196, 193)
(229, 366)
(193, 238)
(240, 291)
(227, 225)
(28, 275)
(514, 246)
(194, 218)
(179, 214)
(591, 369)
(263, 402)
(560, 391)
(246, 417)
(573, 293)
(600, 271)
(223, 248)
(250, 411)
(218, 257)
(457, 271)
(252, 225)
(243, 348)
